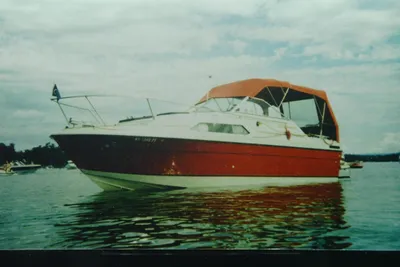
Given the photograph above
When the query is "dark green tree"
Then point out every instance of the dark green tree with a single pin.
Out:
(47, 155)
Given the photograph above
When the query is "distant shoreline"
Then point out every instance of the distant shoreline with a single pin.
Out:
(384, 157)
(47, 155)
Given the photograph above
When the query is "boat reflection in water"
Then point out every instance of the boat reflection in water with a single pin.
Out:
(309, 216)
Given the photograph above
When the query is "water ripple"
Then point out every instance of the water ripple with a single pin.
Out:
(63, 209)
(269, 217)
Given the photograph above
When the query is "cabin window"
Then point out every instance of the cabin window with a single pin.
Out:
(221, 128)
(304, 112)
(274, 112)
(286, 109)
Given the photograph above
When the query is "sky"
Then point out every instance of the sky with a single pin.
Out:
(168, 49)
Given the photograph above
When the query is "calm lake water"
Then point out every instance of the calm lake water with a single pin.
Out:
(59, 208)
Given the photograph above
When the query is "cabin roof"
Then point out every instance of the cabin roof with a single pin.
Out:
(276, 90)
(252, 87)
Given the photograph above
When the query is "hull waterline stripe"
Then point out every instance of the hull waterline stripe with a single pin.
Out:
(54, 136)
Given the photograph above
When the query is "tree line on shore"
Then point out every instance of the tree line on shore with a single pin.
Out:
(47, 155)
(372, 157)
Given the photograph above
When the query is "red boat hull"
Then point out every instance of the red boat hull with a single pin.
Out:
(178, 157)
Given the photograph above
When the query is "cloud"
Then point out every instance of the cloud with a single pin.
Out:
(238, 45)
(390, 142)
(333, 29)
(168, 48)
(27, 114)
(280, 52)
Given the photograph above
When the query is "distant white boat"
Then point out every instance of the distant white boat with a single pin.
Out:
(344, 171)
(70, 165)
(20, 167)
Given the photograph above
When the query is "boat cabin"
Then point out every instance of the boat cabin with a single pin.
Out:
(308, 108)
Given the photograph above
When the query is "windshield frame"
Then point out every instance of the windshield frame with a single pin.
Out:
(235, 108)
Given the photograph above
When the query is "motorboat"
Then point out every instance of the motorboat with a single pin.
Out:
(23, 168)
(356, 165)
(70, 165)
(248, 132)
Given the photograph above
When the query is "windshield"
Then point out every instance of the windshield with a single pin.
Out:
(246, 105)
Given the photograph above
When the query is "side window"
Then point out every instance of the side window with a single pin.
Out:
(239, 129)
(273, 111)
(221, 128)
(286, 109)
(304, 112)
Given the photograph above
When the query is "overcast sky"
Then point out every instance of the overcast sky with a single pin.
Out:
(167, 49)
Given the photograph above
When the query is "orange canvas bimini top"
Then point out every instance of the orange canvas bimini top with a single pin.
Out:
(256, 87)
(252, 87)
